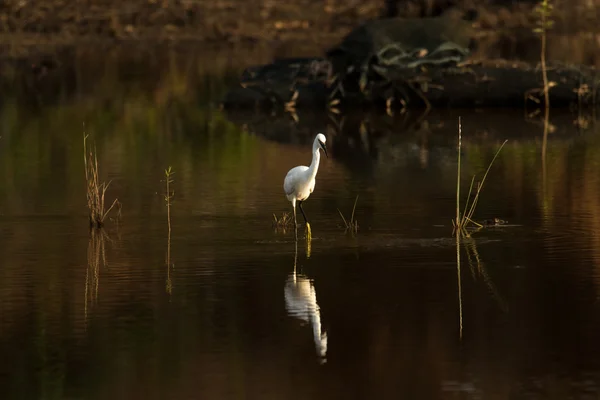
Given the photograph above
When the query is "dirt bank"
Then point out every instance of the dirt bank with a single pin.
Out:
(307, 25)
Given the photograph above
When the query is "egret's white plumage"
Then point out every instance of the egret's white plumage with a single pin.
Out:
(299, 182)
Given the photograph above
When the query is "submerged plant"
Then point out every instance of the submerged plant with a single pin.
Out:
(462, 220)
(96, 190)
(351, 224)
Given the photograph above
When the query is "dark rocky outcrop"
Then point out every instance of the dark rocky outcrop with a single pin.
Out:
(409, 63)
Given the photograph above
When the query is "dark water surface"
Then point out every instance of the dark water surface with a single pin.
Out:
(215, 310)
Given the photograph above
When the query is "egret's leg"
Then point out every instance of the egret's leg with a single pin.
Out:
(294, 207)
(304, 215)
(308, 240)
(308, 231)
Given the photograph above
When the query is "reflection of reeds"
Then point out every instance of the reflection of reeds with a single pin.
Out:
(96, 258)
(460, 315)
(462, 221)
(472, 253)
(169, 282)
(478, 266)
(544, 10)
(96, 190)
(168, 197)
(544, 148)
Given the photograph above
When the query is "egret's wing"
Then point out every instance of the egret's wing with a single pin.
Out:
(312, 185)
(288, 186)
(292, 178)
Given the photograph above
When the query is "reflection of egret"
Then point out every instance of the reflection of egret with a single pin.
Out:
(299, 182)
(301, 303)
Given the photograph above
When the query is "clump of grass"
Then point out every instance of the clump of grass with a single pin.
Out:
(351, 225)
(96, 190)
(462, 221)
(286, 220)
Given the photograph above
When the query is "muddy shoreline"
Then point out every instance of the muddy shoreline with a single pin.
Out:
(298, 28)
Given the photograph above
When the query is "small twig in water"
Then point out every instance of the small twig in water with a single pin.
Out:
(169, 194)
(168, 200)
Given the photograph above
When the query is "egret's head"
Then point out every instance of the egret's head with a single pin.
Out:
(321, 139)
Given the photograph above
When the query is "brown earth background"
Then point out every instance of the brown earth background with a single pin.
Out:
(287, 28)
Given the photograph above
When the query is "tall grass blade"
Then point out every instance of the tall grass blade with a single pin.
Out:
(480, 185)
(460, 223)
(458, 174)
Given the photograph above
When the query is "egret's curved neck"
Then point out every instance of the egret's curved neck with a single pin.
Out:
(314, 165)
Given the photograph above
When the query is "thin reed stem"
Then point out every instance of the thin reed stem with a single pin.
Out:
(480, 185)
(352, 224)
(458, 174)
(460, 222)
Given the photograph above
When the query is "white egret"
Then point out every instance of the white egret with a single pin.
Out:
(299, 182)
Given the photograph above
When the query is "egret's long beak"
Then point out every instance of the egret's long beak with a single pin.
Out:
(324, 148)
